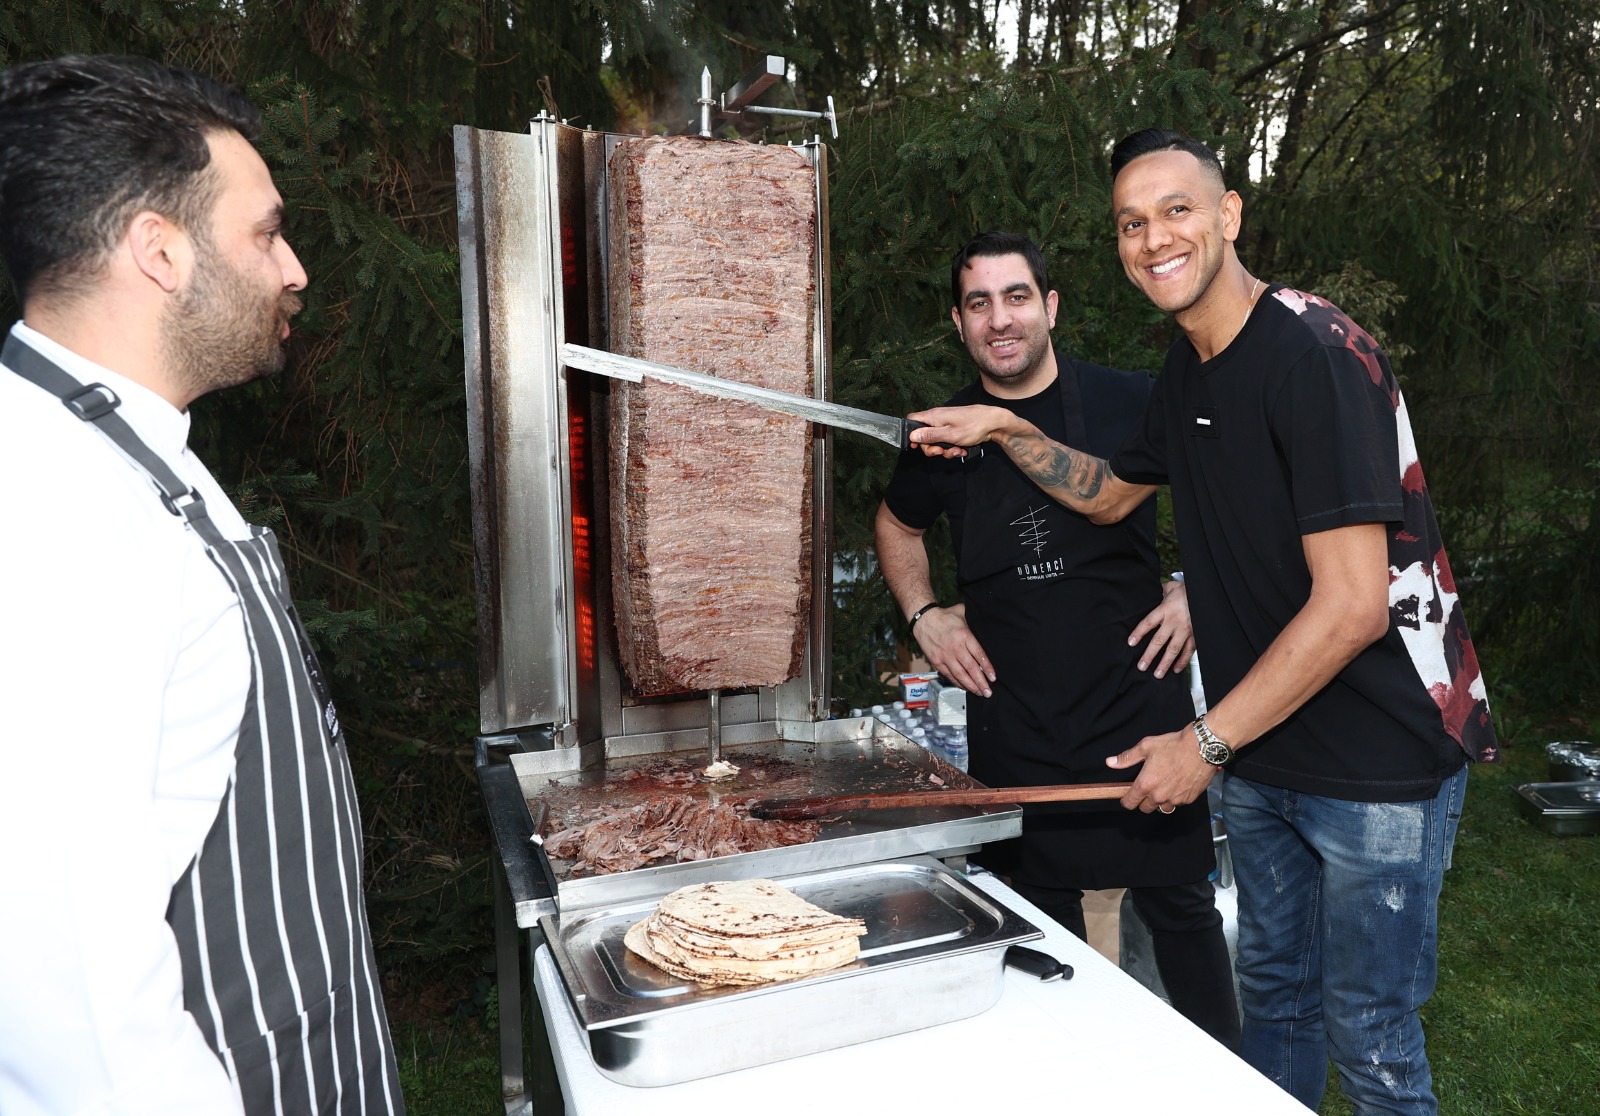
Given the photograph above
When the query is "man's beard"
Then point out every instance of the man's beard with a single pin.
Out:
(1034, 349)
(222, 332)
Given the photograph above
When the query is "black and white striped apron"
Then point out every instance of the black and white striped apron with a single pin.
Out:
(271, 924)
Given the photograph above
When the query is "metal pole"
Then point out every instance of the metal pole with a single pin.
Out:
(706, 102)
(714, 725)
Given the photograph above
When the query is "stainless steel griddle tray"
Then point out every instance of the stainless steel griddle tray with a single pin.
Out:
(843, 756)
(1562, 808)
(934, 952)
(916, 910)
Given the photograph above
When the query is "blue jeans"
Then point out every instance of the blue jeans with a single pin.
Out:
(1338, 934)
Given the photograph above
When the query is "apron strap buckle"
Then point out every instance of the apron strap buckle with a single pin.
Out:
(94, 402)
(179, 504)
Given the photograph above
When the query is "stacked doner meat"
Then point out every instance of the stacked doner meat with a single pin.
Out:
(743, 932)
(713, 269)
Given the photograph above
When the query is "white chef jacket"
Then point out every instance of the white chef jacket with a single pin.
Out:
(123, 676)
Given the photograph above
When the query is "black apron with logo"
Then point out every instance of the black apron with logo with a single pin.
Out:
(278, 969)
(1053, 598)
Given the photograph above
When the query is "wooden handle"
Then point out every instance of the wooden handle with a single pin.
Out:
(821, 806)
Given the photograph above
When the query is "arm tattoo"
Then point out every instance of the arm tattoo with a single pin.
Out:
(1063, 472)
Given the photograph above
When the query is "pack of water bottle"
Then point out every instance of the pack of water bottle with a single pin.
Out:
(944, 736)
(950, 743)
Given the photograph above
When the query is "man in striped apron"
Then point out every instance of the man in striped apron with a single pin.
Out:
(196, 941)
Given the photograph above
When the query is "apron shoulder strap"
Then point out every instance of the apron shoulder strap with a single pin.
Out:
(97, 405)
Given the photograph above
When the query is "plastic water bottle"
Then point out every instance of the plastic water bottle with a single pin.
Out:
(955, 746)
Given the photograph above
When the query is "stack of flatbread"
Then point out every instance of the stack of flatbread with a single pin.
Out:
(743, 932)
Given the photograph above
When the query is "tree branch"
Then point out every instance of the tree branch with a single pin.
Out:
(1378, 81)
(876, 107)
(1317, 40)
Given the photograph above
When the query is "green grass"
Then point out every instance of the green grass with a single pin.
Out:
(1514, 1027)
(1515, 1024)
(449, 1067)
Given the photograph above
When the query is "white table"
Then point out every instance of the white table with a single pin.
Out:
(1098, 1043)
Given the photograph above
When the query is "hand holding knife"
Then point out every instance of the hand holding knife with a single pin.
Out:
(886, 428)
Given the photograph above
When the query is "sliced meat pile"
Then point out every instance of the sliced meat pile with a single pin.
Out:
(713, 269)
(669, 828)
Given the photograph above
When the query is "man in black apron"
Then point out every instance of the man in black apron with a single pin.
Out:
(196, 941)
(1048, 639)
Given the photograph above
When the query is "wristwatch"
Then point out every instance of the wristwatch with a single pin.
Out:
(1212, 750)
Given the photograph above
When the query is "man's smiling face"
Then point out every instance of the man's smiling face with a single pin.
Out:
(1174, 221)
(1004, 319)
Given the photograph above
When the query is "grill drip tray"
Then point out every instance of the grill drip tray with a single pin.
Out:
(846, 756)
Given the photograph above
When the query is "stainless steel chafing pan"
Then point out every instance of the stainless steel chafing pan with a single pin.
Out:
(934, 952)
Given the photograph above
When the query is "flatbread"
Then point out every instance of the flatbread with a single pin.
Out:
(754, 948)
(757, 908)
(743, 932)
(638, 944)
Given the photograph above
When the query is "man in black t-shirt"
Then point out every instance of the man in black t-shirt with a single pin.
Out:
(1338, 663)
(1047, 638)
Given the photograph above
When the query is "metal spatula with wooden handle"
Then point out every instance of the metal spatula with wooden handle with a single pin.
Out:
(826, 805)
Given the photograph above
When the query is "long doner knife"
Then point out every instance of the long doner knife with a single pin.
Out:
(886, 428)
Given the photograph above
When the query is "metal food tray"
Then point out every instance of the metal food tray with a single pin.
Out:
(934, 952)
(1573, 761)
(846, 756)
(1562, 808)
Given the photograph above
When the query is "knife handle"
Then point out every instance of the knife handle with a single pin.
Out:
(907, 426)
(1037, 962)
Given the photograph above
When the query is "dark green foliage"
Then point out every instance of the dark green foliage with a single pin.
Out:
(1461, 171)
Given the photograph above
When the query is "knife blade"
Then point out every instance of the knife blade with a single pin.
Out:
(885, 428)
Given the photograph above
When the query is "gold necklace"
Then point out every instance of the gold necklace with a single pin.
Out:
(1251, 305)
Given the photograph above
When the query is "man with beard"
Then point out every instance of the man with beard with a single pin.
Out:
(186, 931)
(1047, 639)
(1345, 697)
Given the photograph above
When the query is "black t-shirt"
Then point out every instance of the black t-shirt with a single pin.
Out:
(1112, 401)
(1052, 598)
(1298, 427)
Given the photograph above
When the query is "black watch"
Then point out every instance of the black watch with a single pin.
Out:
(1212, 749)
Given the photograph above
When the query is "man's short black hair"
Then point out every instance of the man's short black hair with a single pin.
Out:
(998, 244)
(86, 142)
(1151, 140)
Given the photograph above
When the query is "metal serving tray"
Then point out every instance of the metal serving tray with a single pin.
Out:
(934, 951)
(1573, 761)
(1562, 808)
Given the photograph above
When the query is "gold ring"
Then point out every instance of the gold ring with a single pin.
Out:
(1165, 809)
